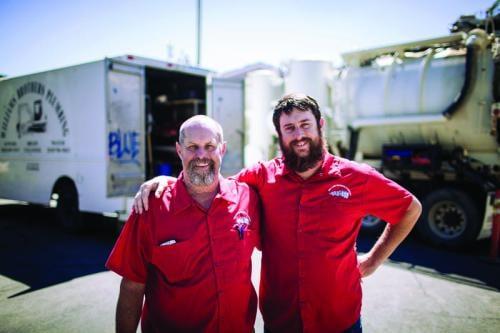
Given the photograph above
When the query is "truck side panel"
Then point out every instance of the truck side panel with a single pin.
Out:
(50, 123)
(53, 124)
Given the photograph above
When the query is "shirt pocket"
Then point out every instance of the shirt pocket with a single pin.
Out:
(339, 220)
(177, 262)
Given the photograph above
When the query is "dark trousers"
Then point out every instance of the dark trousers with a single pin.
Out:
(356, 328)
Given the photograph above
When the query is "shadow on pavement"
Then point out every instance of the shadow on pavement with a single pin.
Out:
(468, 266)
(37, 252)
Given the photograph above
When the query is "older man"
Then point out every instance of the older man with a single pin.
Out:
(313, 203)
(189, 255)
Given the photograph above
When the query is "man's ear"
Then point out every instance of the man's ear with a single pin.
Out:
(321, 122)
(223, 148)
(178, 149)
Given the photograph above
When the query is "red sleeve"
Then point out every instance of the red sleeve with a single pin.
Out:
(251, 176)
(131, 253)
(255, 214)
(385, 198)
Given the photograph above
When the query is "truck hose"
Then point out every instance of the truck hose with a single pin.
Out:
(475, 43)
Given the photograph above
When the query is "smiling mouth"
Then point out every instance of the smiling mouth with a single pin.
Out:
(301, 144)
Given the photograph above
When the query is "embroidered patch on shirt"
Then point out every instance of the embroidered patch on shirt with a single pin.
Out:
(242, 222)
(339, 191)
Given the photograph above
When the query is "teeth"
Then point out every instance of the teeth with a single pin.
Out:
(301, 144)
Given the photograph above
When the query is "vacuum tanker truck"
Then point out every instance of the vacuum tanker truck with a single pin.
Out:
(426, 114)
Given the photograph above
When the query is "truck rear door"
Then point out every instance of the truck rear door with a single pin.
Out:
(125, 129)
(225, 104)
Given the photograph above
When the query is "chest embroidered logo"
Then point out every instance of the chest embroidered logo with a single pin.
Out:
(242, 221)
(339, 191)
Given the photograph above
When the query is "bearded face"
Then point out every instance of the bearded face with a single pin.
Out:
(201, 152)
(301, 162)
(301, 140)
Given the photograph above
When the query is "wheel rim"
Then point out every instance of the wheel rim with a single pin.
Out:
(447, 220)
(370, 221)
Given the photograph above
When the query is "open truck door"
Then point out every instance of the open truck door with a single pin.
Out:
(225, 104)
(125, 129)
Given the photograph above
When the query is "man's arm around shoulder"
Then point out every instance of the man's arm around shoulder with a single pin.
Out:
(392, 236)
(129, 307)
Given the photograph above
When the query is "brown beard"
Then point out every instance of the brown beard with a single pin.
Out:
(302, 164)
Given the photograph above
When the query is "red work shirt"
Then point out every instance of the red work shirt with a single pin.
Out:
(200, 283)
(309, 279)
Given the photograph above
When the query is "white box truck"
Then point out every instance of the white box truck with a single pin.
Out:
(83, 138)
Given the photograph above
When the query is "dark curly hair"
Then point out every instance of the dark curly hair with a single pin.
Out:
(298, 101)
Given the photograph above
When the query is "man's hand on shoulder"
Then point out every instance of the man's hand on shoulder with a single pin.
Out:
(157, 184)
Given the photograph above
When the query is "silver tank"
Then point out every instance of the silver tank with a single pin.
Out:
(400, 97)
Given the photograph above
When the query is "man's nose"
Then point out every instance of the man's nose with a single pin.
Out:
(201, 153)
(298, 133)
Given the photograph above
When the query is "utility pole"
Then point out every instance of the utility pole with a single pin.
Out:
(198, 34)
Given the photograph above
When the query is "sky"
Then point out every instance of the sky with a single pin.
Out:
(42, 35)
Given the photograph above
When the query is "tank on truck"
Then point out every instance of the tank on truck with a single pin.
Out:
(426, 113)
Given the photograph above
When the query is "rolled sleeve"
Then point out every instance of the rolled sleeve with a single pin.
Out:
(131, 254)
(384, 198)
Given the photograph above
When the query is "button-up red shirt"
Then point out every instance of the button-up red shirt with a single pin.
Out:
(195, 263)
(309, 280)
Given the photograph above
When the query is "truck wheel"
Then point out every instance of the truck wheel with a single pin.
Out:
(65, 201)
(449, 218)
(372, 225)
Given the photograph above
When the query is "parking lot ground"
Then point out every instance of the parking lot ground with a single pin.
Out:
(53, 281)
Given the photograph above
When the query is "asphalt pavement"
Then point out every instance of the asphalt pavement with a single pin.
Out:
(54, 281)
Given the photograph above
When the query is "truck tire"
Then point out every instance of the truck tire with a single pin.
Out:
(449, 218)
(372, 225)
(65, 198)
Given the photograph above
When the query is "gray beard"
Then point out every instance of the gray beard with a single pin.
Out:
(201, 178)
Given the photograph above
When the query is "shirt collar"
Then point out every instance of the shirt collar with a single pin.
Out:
(181, 199)
(331, 166)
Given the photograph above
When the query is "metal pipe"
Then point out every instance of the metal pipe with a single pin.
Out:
(397, 120)
(359, 57)
(198, 34)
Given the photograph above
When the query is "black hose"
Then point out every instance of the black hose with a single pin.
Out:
(471, 60)
(353, 142)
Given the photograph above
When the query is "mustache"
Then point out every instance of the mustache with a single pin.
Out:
(294, 142)
(196, 161)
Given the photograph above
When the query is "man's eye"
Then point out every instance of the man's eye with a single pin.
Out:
(307, 125)
(191, 148)
(289, 129)
(210, 147)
